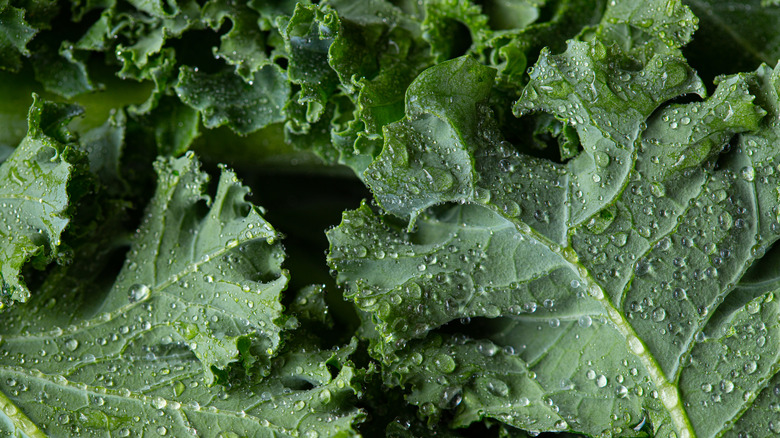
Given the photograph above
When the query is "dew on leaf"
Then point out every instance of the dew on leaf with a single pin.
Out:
(445, 363)
(138, 292)
(523, 402)
(72, 344)
(497, 387)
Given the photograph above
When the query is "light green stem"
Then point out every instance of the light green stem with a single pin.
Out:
(20, 421)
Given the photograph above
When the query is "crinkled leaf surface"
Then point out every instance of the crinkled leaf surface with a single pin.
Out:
(575, 85)
(15, 33)
(33, 195)
(87, 358)
(152, 387)
(308, 36)
(62, 72)
(213, 264)
(226, 99)
(613, 279)
(604, 265)
(377, 51)
(244, 45)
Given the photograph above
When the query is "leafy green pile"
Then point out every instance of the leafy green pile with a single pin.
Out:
(568, 225)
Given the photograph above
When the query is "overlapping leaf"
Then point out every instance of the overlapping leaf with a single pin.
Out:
(625, 311)
(213, 264)
(15, 33)
(154, 387)
(200, 289)
(34, 195)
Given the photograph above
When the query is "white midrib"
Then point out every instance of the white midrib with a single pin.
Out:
(667, 391)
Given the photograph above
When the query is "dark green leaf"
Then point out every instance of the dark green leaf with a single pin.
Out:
(609, 291)
(225, 99)
(15, 33)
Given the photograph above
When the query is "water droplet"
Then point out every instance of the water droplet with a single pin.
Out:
(748, 173)
(488, 349)
(601, 158)
(159, 403)
(72, 344)
(497, 387)
(601, 381)
(585, 321)
(138, 292)
(445, 363)
(658, 190)
(725, 221)
(360, 251)
(523, 402)
(178, 388)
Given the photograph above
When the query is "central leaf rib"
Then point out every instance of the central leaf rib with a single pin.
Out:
(667, 390)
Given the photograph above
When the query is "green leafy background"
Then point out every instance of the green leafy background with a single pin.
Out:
(551, 217)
